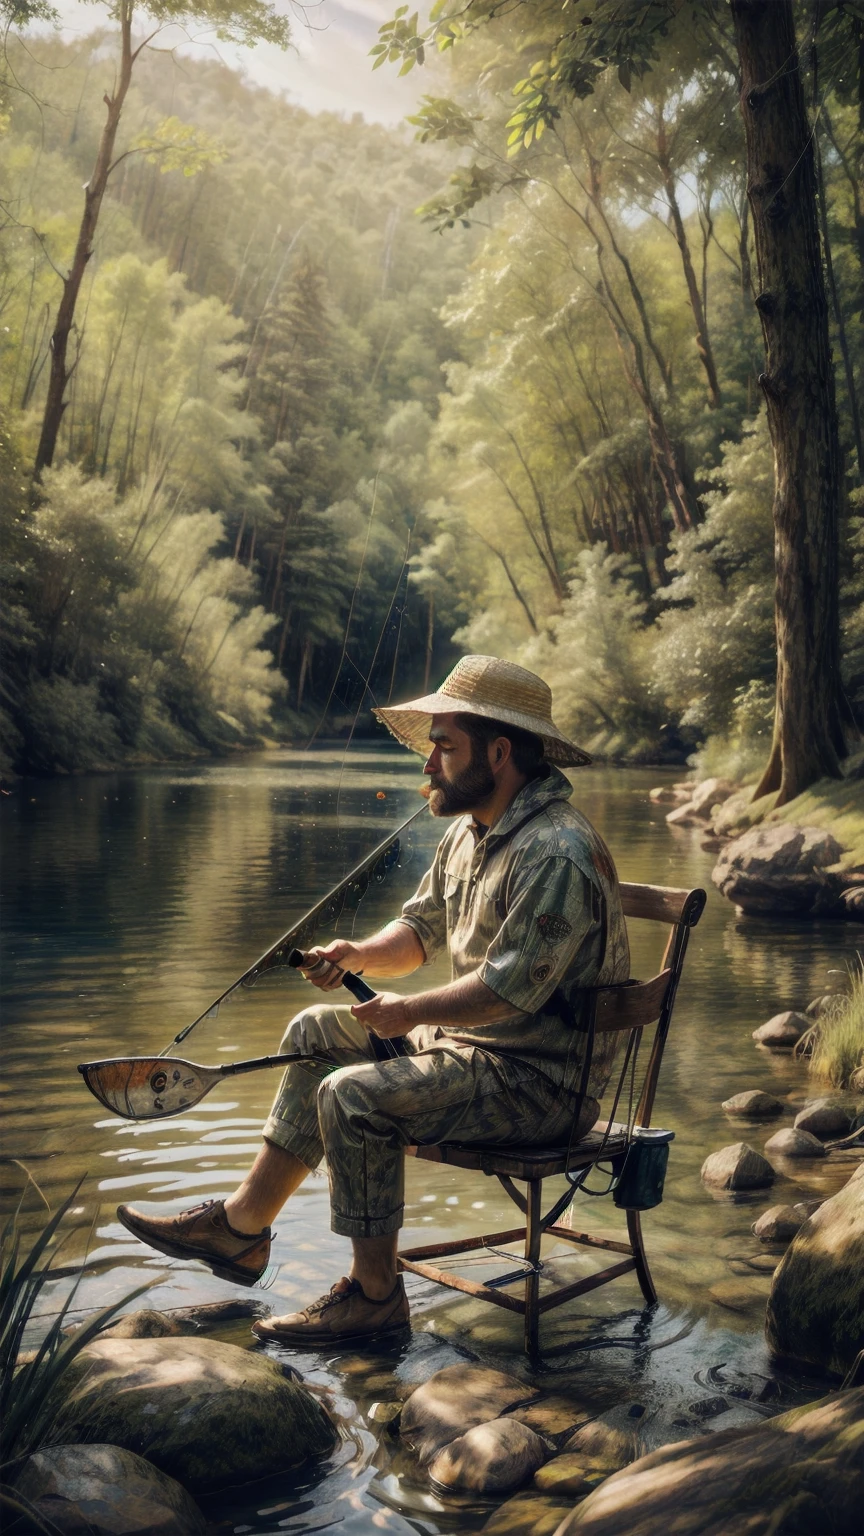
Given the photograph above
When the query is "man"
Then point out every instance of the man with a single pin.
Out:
(523, 893)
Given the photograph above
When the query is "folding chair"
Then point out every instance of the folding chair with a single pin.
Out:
(629, 1009)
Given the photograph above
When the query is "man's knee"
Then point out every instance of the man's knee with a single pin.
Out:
(313, 1029)
(350, 1103)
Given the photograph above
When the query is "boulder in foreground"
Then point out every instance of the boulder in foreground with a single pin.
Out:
(737, 1167)
(100, 1490)
(203, 1412)
(454, 1400)
(816, 1307)
(779, 870)
(800, 1473)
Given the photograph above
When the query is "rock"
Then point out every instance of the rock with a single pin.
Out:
(816, 1306)
(737, 1167)
(800, 1472)
(490, 1458)
(824, 1117)
(383, 1413)
(683, 816)
(782, 1031)
(570, 1473)
(856, 1081)
(753, 1103)
(550, 1415)
(100, 1490)
(777, 1225)
(203, 1412)
(455, 1400)
(735, 1295)
(528, 1514)
(601, 1442)
(670, 794)
(146, 1324)
(805, 1208)
(709, 793)
(792, 1143)
(777, 869)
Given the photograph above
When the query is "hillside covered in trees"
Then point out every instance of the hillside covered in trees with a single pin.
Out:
(314, 443)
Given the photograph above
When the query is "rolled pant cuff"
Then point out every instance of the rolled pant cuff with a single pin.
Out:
(366, 1226)
(306, 1149)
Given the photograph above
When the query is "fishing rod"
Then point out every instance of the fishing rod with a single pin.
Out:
(373, 869)
(152, 1087)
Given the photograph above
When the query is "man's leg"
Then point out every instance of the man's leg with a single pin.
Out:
(233, 1237)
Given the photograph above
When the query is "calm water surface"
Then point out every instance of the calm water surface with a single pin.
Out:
(132, 899)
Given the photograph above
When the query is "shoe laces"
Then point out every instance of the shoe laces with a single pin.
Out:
(333, 1295)
(202, 1206)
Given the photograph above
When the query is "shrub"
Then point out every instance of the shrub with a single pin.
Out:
(836, 1040)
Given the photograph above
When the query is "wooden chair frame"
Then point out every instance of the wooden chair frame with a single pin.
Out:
(632, 1007)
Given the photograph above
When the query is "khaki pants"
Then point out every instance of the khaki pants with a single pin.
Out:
(362, 1113)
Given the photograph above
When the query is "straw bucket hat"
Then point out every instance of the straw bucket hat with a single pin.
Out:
(495, 689)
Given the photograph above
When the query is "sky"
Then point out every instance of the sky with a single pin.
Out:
(327, 69)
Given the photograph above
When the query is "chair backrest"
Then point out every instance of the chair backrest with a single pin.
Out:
(636, 1005)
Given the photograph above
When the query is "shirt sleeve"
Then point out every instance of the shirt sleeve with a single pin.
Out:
(426, 913)
(549, 934)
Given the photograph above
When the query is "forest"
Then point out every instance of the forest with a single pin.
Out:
(336, 402)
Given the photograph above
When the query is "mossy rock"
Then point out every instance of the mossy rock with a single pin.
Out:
(205, 1413)
(99, 1490)
(816, 1307)
(795, 1475)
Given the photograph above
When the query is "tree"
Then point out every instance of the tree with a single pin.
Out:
(798, 384)
(245, 21)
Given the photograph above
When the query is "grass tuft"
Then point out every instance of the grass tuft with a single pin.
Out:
(836, 1041)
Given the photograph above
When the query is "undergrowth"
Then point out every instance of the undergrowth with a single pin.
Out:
(836, 1040)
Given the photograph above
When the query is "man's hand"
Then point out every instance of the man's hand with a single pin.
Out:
(327, 963)
(384, 1015)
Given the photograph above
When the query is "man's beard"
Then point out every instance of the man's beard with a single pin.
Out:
(469, 789)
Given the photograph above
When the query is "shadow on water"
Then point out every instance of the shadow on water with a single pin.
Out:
(131, 899)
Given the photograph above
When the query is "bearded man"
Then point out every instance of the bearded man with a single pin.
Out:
(523, 894)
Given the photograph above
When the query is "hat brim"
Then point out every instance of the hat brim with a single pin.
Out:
(410, 723)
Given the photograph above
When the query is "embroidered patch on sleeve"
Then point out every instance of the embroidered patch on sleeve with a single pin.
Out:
(554, 928)
(540, 972)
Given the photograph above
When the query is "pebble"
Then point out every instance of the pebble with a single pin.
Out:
(777, 1225)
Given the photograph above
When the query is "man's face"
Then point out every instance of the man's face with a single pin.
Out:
(460, 778)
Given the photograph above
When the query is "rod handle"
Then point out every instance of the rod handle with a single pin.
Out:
(383, 1050)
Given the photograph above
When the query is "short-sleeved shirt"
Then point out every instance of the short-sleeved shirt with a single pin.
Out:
(534, 908)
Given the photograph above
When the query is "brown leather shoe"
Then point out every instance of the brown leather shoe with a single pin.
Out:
(345, 1314)
(203, 1233)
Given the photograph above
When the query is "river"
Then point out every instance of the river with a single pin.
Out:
(131, 899)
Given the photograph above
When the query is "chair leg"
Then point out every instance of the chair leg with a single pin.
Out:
(643, 1273)
(533, 1235)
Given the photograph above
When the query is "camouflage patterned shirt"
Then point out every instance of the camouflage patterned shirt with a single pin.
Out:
(526, 907)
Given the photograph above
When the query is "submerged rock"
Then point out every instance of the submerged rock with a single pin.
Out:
(801, 1472)
(737, 1167)
(782, 1031)
(753, 1103)
(100, 1490)
(489, 1458)
(204, 1412)
(792, 1143)
(778, 1225)
(778, 870)
(816, 1307)
(528, 1514)
(601, 1442)
(570, 1473)
(824, 1117)
(454, 1400)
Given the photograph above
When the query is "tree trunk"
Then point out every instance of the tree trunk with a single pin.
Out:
(94, 192)
(703, 344)
(798, 384)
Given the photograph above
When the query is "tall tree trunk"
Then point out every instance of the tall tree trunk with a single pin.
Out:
(798, 384)
(94, 192)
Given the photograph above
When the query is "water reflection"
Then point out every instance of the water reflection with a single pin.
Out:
(132, 899)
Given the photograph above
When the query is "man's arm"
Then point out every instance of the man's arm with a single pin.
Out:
(395, 951)
(468, 1003)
